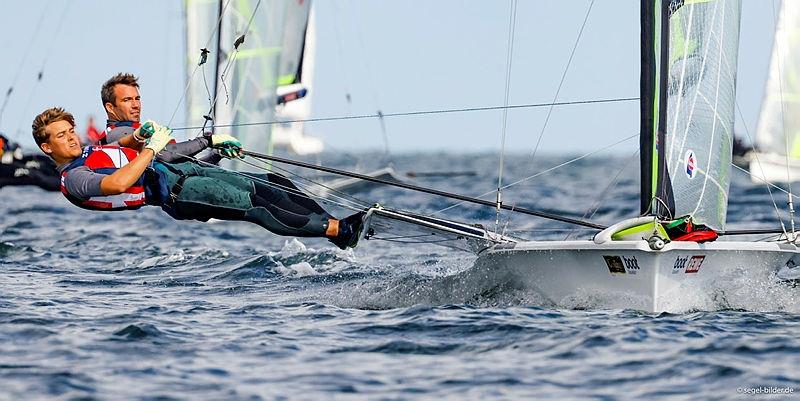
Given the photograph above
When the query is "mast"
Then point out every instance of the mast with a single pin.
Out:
(218, 59)
(656, 195)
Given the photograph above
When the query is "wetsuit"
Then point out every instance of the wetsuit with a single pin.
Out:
(190, 190)
(21, 169)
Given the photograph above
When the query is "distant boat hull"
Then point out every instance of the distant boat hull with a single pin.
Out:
(771, 167)
(353, 185)
(630, 275)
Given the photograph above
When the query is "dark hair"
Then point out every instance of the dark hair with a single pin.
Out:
(107, 91)
(46, 118)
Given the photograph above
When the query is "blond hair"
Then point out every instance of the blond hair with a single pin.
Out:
(46, 118)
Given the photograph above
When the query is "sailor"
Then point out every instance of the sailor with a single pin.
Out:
(119, 177)
(17, 168)
(123, 105)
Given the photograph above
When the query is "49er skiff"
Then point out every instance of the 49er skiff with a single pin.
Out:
(689, 50)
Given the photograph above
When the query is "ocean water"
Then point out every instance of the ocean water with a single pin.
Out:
(135, 305)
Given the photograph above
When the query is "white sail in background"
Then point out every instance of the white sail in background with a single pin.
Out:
(701, 91)
(300, 48)
(247, 78)
(201, 33)
(779, 121)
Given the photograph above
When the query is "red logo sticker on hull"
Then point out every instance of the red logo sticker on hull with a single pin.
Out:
(694, 264)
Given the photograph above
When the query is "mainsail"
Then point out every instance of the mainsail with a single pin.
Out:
(779, 121)
(245, 78)
(688, 97)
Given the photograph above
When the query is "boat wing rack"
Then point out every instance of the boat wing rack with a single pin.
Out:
(410, 228)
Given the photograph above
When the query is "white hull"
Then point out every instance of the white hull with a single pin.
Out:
(772, 168)
(629, 275)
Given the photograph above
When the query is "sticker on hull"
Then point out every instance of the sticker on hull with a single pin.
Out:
(694, 264)
(615, 265)
(622, 264)
(685, 264)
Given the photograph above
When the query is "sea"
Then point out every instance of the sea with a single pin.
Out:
(137, 306)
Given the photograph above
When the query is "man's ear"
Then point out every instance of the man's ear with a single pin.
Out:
(46, 148)
(110, 109)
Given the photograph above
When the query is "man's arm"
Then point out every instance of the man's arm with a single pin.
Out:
(129, 141)
(122, 179)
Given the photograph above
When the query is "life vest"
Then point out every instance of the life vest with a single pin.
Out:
(106, 160)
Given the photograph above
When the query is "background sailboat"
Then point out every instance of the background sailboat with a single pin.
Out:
(245, 80)
(777, 142)
(296, 92)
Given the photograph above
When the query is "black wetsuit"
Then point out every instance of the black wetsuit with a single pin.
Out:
(187, 189)
(21, 169)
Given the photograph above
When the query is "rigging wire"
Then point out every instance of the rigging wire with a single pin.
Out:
(768, 184)
(231, 59)
(568, 162)
(563, 78)
(307, 183)
(417, 113)
(595, 206)
(266, 182)
(204, 51)
(509, 61)
(40, 74)
(422, 189)
(371, 76)
(790, 202)
(22, 62)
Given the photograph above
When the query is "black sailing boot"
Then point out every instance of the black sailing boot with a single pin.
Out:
(349, 230)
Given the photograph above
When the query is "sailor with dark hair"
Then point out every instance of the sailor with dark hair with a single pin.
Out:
(17, 168)
(120, 177)
(123, 105)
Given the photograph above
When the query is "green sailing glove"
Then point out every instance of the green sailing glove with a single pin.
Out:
(145, 131)
(227, 145)
(160, 139)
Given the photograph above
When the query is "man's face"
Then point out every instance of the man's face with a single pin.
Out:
(128, 105)
(63, 144)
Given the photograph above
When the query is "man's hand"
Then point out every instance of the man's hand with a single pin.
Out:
(143, 133)
(227, 145)
(160, 138)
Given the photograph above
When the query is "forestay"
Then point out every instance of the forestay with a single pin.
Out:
(702, 50)
(779, 121)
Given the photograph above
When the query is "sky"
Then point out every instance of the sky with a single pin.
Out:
(389, 55)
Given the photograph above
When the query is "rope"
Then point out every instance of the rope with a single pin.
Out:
(191, 77)
(40, 75)
(267, 182)
(611, 185)
(509, 59)
(341, 196)
(561, 83)
(768, 184)
(22, 62)
(568, 162)
(417, 113)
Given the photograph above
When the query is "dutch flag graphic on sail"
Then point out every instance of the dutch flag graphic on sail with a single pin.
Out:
(691, 164)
